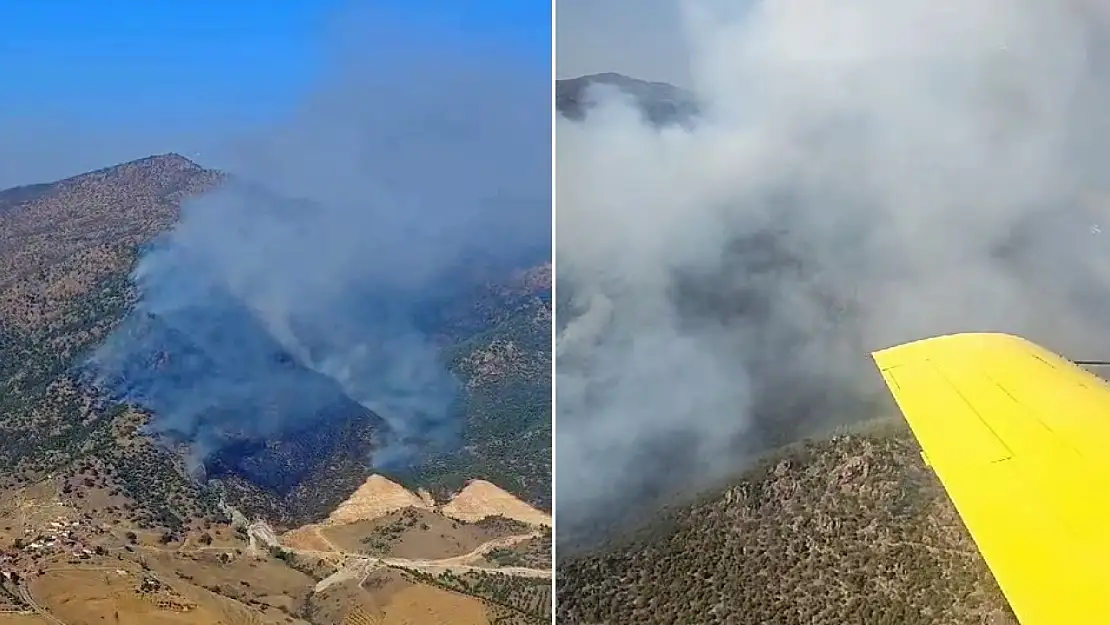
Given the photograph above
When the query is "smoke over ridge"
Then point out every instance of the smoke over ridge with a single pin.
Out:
(307, 288)
(861, 173)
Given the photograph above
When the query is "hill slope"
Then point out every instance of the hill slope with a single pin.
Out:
(63, 288)
(70, 449)
(854, 529)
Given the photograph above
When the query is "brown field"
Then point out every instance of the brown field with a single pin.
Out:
(424, 605)
(412, 533)
(88, 597)
(208, 575)
(388, 597)
(407, 603)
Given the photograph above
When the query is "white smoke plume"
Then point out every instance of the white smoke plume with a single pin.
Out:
(863, 173)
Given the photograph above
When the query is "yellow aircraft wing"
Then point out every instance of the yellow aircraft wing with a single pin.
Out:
(1020, 439)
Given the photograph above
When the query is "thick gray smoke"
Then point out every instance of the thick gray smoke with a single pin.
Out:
(312, 279)
(864, 173)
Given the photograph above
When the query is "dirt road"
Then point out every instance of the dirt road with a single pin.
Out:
(25, 595)
(360, 565)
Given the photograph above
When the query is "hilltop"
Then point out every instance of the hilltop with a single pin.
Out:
(61, 239)
(202, 540)
(662, 103)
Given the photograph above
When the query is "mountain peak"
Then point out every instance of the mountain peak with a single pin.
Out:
(167, 162)
(168, 158)
(661, 103)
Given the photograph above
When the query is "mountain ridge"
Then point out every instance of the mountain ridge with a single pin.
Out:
(41, 304)
(820, 527)
(158, 512)
(662, 104)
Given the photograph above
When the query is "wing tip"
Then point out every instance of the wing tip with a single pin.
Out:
(910, 351)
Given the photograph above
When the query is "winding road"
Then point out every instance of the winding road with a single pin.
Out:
(359, 565)
(354, 565)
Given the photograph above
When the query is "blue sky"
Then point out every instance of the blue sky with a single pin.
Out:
(158, 73)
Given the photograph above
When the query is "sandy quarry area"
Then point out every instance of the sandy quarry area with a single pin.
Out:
(481, 499)
(376, 497)
(380, 497)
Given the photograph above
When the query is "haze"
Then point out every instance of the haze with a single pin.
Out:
(419, 164)
(864, 173)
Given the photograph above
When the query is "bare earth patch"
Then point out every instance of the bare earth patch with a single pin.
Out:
(481, 499)
(379, 500)
(376, 497)
(389, 597)
(306, 538)
(80, 596)
(420, 604)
